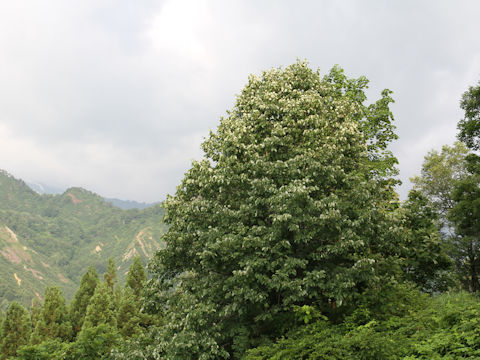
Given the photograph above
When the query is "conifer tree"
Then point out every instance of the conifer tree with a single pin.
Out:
(111, 274)
(99, 331)
(136, 277)
(101, 308)
(78, 306)
(15, 331)
(94, 343)
(54, 320)
(129, 314)
(35, 311)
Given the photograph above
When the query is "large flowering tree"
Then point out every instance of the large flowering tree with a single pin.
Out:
(289, 207)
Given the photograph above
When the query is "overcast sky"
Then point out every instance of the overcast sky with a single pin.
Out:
(116, 96)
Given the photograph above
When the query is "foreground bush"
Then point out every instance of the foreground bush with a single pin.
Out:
(417, 327)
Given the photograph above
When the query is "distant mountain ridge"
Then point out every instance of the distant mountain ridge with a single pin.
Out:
(43, 189)
(130, 204)
(52, 239)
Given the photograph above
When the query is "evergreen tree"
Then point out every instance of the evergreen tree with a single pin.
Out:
(78, 307)
(136, 277)
(129, 316)
(15, 331)
(111, 274)
(93, 343)
(35, 311)
(53, 321)
(289, 207)
(101, 308)
(52, 349)
(99, 331)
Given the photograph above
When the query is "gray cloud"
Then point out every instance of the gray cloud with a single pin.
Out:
(116, 96)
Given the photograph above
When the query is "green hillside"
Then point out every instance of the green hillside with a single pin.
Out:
(52, 239)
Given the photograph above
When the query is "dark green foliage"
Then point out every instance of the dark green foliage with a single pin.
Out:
(449, 182)
(35, 312)
(412, 327)
(99, 331)
(367, 333)
(110, 275)
(473, 164)
(107, 325)
(93, 343)
(15, 330)
(53, 321)
(469, 127)
(131, 320)
(427, 263)
(129, 316)
(78, 307)
(101, 308)
(47, 350)
(109, 320)
(136, 277)
(289, 207)
(465, 215)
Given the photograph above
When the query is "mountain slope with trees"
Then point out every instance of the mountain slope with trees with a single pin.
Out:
(52, 239)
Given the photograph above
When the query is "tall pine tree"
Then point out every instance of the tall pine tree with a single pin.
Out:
(111, 275)
(101, 309)
(99, 330)
(54, 320)
(78, 307)
(136, 277)
(15, 331)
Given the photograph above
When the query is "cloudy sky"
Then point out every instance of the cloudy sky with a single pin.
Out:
(116, 96)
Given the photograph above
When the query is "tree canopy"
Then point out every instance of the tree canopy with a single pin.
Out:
(287, 208)
(15, 330)
(440, 171)
(469, 126)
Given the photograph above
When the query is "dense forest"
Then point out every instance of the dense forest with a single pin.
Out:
(287, 240)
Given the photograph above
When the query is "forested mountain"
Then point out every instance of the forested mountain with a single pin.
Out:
(52, 239)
